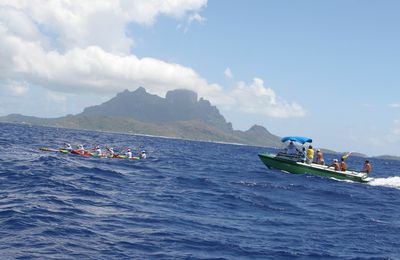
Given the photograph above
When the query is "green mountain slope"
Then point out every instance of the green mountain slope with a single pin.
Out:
(179, 115)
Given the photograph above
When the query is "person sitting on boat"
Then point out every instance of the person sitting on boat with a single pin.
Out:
(97, 150)
(68, 147)
(291, 148)
(80, 149)
(128, 153)
(367, 167)
(143, 154)
(310, 154)
(111, 152)
(343, 165)
(320, 157)
(335, 165)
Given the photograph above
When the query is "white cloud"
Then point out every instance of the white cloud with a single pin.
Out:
(396, 131)
(391, 137)
(195, 17)
(82, 47)
(255, 98)
(19, 23)
(396, 128)
(228, 73)
(15, 88)
(84, 23)
(56, 97)
(395, 105)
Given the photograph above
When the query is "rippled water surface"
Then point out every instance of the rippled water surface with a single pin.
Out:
(188, 200)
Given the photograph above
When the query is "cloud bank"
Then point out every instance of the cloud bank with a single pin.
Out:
(81, 47)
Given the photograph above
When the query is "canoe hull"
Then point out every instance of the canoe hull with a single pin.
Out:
(86, 153)
(271, 161)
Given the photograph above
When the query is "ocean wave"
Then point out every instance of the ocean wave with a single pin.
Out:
(392, 182)
(188, 200)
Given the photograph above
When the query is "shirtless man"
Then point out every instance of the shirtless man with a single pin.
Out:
(320, 157)
(367, 167)
(335, 165)
(343, 165)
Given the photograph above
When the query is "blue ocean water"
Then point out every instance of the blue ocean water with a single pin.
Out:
(188, 200)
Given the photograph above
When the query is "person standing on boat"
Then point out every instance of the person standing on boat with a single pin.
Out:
(310, 154)
(367, 167)
(343, 165)
(320, 157)
(335, 165)
(291, 148)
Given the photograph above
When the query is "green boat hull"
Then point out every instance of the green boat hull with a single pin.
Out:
(272, 161)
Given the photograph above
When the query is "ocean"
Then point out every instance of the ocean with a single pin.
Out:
(187, 200)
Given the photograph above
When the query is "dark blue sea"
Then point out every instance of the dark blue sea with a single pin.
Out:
(188, 200)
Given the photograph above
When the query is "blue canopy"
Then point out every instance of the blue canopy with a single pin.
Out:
(299, 139)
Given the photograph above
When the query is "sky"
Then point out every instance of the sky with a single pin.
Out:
(328, 70)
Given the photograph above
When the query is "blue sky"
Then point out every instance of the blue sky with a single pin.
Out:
(324, 69)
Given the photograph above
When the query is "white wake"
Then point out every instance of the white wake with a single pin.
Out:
(393, 182)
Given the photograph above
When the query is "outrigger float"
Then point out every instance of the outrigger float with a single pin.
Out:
(292, 164)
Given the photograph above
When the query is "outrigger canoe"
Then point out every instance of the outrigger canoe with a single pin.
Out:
(292, 164)
(86, 153)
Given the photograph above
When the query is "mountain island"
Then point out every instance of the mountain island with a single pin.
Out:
(180, 115)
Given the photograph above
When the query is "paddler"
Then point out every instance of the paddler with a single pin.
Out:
(128, 153)
(80, 149)
(111, 152)
(97, 150)
(67, 147)
(143, 154)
